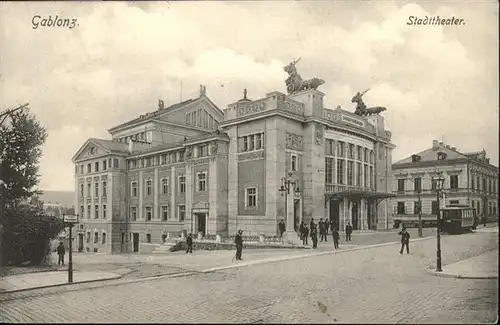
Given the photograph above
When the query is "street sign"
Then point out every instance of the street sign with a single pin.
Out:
(71, 219)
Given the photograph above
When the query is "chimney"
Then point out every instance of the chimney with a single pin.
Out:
(448, 147)
(130, 145)
(454, 148)
(441, 144)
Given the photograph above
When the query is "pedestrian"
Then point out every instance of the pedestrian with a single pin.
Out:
(301, 231)
(312, 224)
(484, 222)
(405, 241)
(336, 238)
(327, 225)
(281, 227)
(314, 237)
(60, 252)
(321, 226)
(332, 226)
(305, 235)
(238, 240)
(348, 232)
(189, 242)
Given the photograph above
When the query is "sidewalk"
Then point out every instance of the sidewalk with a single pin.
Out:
(484, 266)
(23, 282)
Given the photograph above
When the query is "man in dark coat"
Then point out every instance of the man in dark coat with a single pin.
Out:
(189, 242)
(336, 238)
(323, 226)
(348, 232)
(301, 230)
(281, 227)
(312, 224)
(314, 237)
(327, 226)
(306, 234)
(332, 225)
(238, 240)
(61, 251)
(405, 241)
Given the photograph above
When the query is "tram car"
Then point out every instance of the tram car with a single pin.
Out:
(457, 219)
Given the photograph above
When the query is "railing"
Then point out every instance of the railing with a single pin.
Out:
(335, 188)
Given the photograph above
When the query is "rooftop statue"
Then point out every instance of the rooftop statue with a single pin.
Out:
(361, 109)
(294, 82)
(161, 105)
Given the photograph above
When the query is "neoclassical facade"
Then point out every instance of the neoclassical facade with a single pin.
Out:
(193, 168)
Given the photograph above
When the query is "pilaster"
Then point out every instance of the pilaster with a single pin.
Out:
(109, 196)
(189, 226)
(275, 168)
(314, 169)
(141, 195)
(173, 190)
(213, 188)
(156, 193)
(233, 181)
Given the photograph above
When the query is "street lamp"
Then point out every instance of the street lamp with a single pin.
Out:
(418, 189)
(438, 184)
(289, 186)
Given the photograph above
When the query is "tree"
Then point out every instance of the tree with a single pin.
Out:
(25, 229)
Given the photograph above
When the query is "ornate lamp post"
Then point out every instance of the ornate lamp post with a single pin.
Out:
(438, 184)
(289, 186)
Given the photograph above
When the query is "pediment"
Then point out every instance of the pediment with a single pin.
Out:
(90, 150)
(183, 115)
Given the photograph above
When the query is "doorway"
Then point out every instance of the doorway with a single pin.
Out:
(201, 220)
(163, 238)
(296, 214)
(136, 242)
(80, 242)
(354, 213)
(335, 213)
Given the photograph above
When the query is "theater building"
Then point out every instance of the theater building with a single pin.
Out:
(194, 168)
(470, 179)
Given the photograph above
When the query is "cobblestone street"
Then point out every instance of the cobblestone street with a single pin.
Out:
(371, 285)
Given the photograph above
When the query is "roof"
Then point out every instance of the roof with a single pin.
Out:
(431, 155)
(113, 146)
(148, 116)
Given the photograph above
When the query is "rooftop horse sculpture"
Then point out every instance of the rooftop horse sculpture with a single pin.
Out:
(361, 109)
(294, 82)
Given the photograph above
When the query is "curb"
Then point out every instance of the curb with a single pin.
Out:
(59, 285)
(458, 276)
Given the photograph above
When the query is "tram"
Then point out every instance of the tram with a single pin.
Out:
(457, 219)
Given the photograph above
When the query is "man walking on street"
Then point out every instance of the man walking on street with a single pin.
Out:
(321, 226)
(282, 228)
(405, 241)
(306, 234)
(336, 238)
(301, 231)
(238, 240)
(61, 251)
(327, 225)
(312, 224)
(314, 237)
(189, 242)
(348, 232)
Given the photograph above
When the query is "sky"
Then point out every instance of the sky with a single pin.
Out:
(438, 82)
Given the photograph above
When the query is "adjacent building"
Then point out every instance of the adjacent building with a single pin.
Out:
(470, 179)
(193, 168)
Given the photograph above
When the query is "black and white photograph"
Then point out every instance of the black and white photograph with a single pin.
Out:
(237, 162)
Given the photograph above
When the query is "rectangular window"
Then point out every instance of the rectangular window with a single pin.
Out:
(401, 208)
(89, 168)
(211, 122)
(454, 182)
(182, 184)
(173, 157)
(202, 182)
(149, 213)
(478, 180)
(359, 172)
(164, 213)
(359, 153)
(149, 187)
(245, 143)
(104, 211)
(96, 189)
(164, 185)
(418, 184)
(81, 169)
(366, 155)
(329, 147)
(340, 149)
(251, 197)
(351, 151)
(193, 118)
(96, 166)
(454, 202)
(104, 165)
(82, 211)
(96, 237)
(340, 171)
(133, 189)
(96, 211)
(103, 238)
(365, 172)
(116, 163)
(89, 189)
(188, 119)
(294, 163)
(372, 156)
(181, 212)
(472, 183)
(350, 173)
(484, 184)
(434, 207)
(416, 207)
(250, 142)
(88, 237)
(133, 213)
(104, 188)
(258, 141)
(89, 211)
(81, 190)
(203, 150)
(371, 177)
(401, 185)
(328, 170)
(148, 238)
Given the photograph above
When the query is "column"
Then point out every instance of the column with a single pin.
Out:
(190, 226)
(156, 193)
(109, 197)
(212, 185)
(233, 181)
(275, 169)
(140, 184)
(173, 190)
